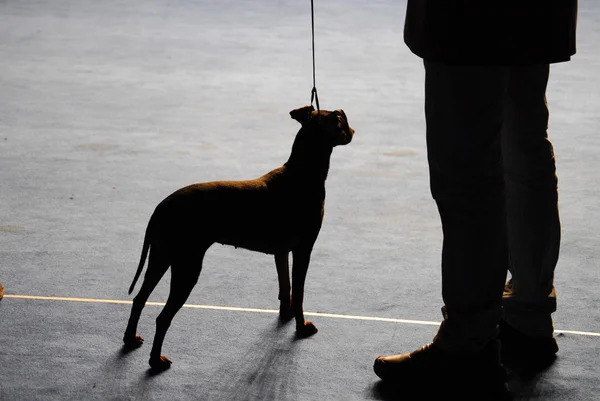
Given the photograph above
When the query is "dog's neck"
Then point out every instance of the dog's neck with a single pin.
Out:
(308, 162)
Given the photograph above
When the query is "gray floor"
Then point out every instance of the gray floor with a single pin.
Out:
(107, 107)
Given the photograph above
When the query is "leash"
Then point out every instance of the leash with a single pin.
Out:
(313, 93)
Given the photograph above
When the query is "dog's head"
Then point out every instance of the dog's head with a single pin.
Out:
(332, 125)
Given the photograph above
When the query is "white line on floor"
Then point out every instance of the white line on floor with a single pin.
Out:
(255, 310)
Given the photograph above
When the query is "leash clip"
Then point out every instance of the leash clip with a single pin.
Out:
(315, 97)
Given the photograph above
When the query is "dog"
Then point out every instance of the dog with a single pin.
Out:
(278, 213)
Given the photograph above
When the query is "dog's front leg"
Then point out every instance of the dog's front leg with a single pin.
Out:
(283, 277)
(301, 259)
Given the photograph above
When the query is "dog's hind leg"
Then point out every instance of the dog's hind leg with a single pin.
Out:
(184, 276)
(301, 259)
(157, 266)
(283, 277)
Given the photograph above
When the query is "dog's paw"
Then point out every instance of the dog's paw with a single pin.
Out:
(133, 341)
(306, 330)
(159, 364)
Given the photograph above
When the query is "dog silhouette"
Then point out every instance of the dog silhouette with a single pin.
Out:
(278, 213)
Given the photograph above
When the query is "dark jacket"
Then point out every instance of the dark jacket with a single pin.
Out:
(491, 32)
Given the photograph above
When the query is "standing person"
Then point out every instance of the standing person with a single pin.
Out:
(492, 175)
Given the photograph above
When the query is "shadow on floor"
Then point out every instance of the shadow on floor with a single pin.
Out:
(267, 370)
(528, 388)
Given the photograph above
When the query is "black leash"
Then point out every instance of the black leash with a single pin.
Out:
(313, 93)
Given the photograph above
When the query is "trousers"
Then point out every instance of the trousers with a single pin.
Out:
(493, 178)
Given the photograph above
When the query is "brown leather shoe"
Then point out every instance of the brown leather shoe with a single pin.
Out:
(524, 354)
(432, 371)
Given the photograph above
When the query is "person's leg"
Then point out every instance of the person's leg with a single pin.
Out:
(531, 203)
(464, 116)
(533, 224)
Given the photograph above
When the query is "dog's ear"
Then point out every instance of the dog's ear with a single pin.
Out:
(343, 114)
(302, 114)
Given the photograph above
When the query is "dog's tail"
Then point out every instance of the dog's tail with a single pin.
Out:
(145, 249)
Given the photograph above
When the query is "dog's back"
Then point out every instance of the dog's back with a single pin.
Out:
(268, 214)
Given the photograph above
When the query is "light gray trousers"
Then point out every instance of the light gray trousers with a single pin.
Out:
(493, 177)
